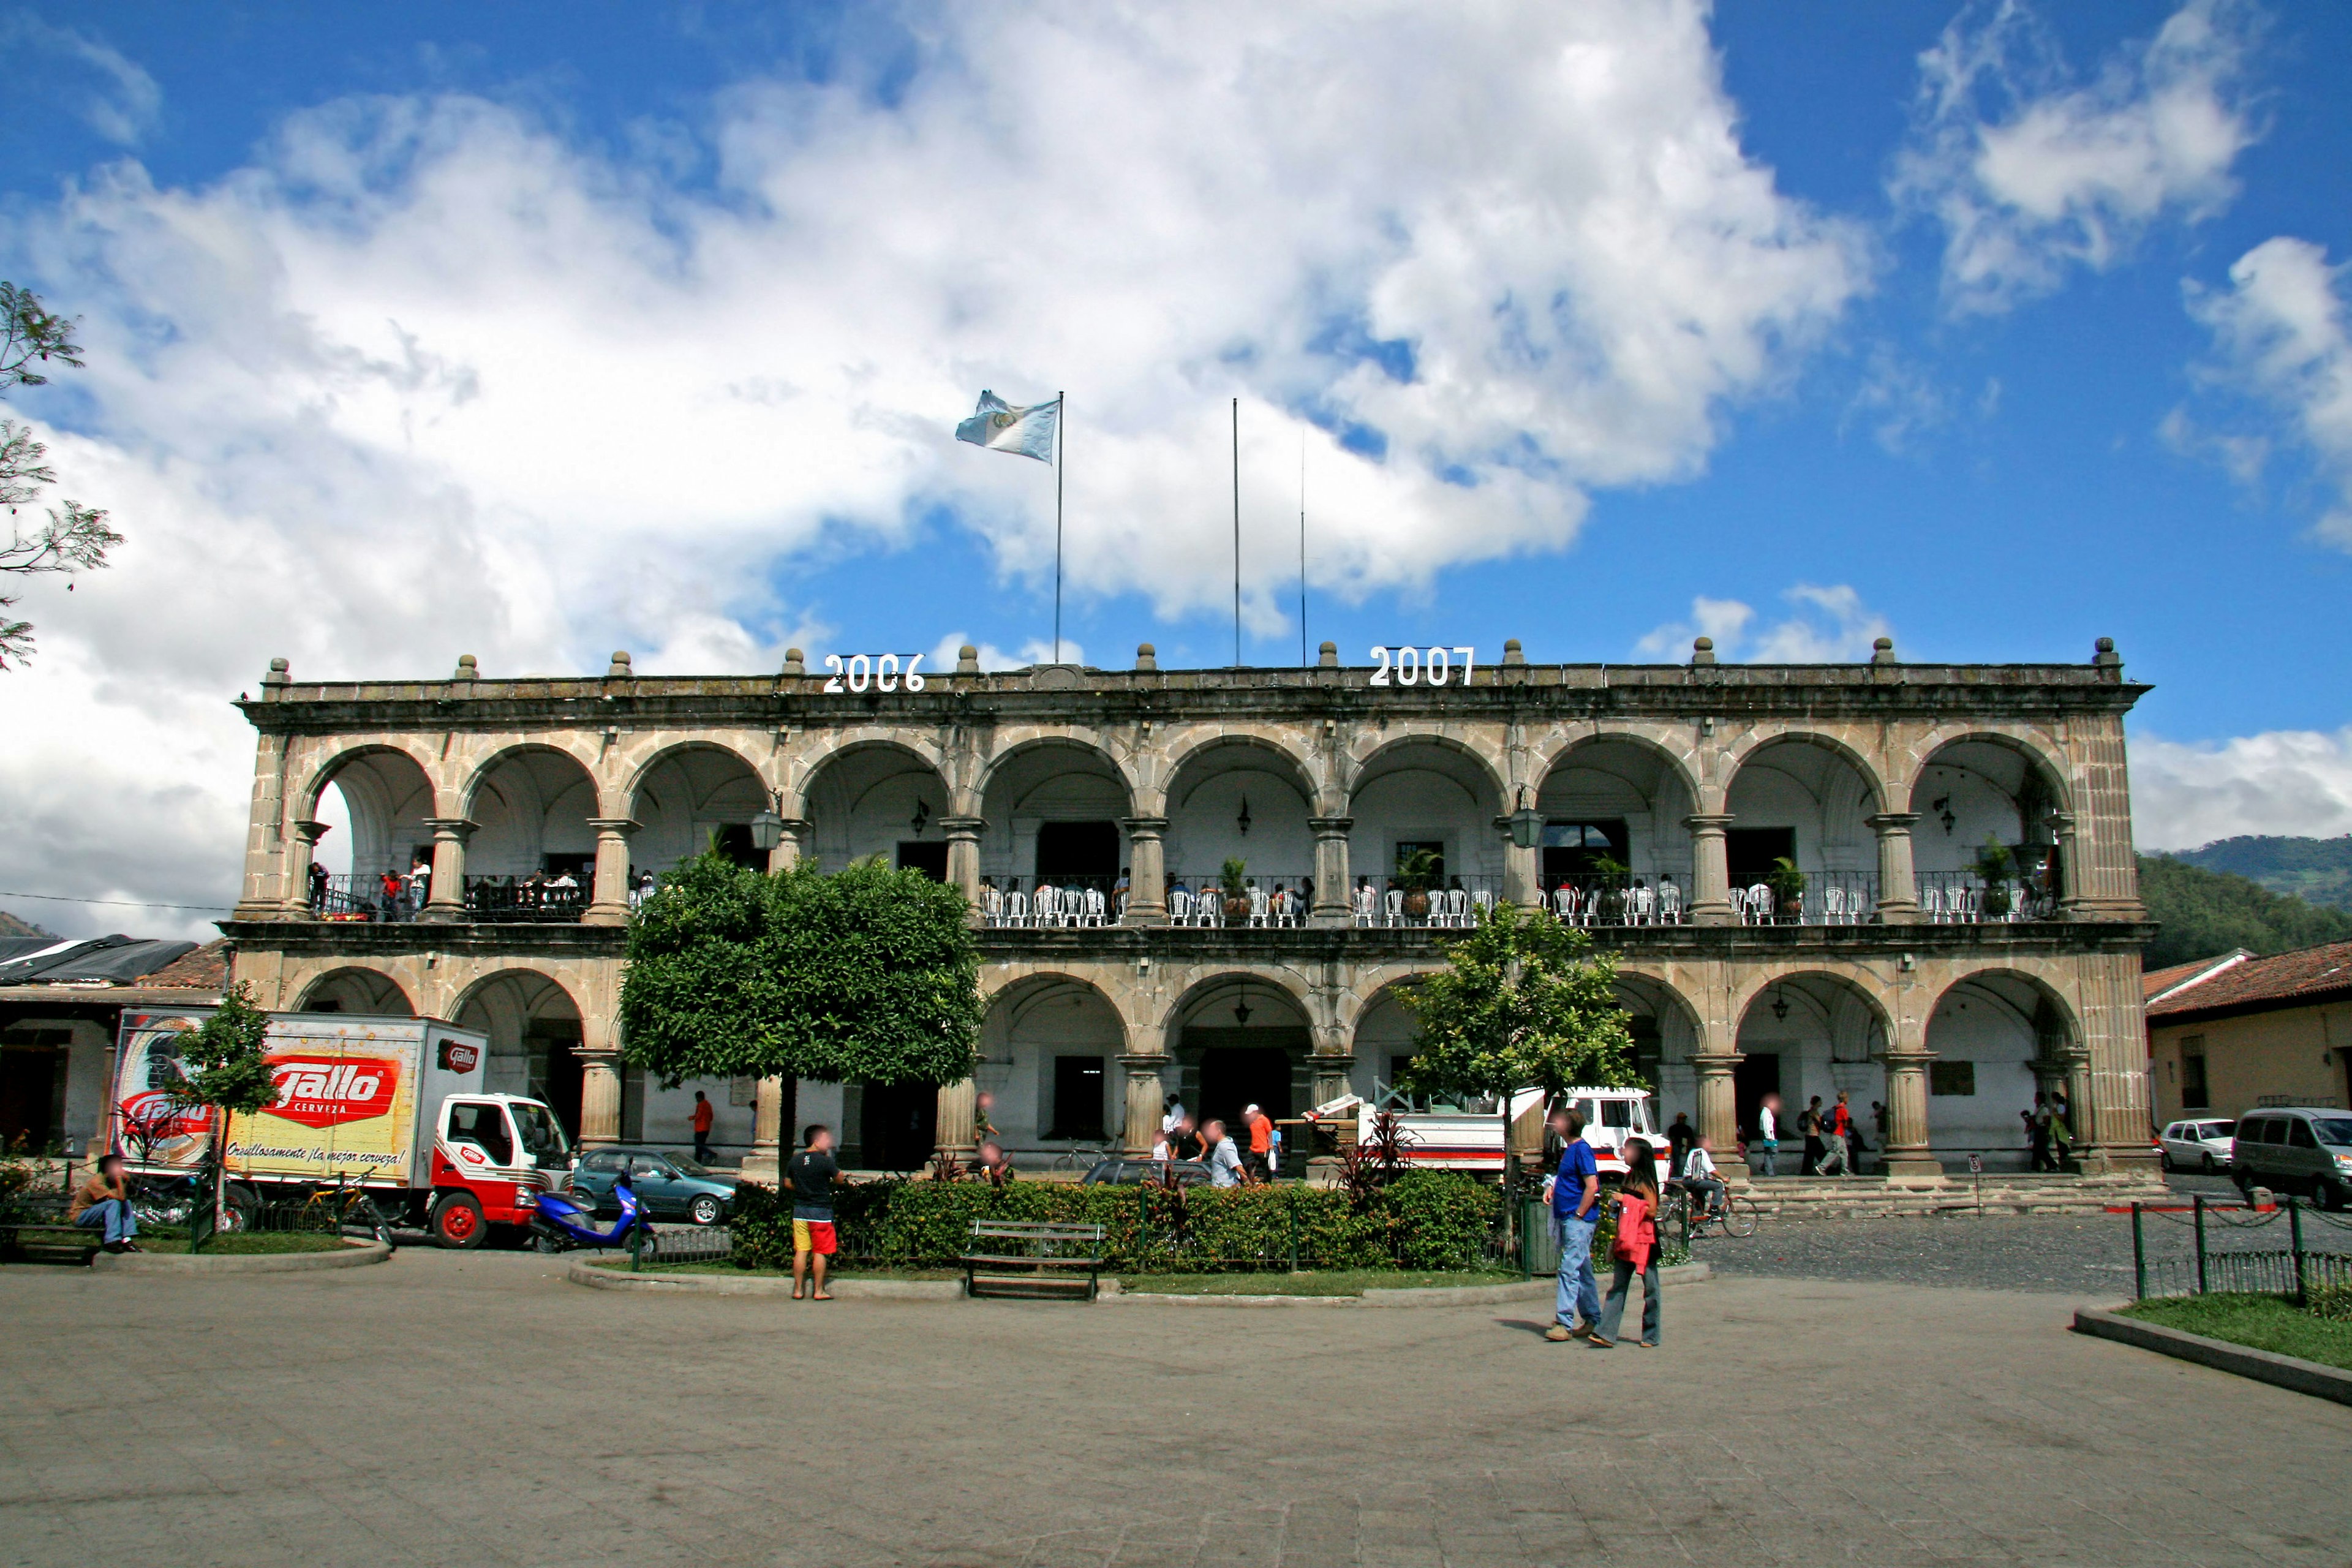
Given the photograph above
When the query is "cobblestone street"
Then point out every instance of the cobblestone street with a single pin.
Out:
(472, 1409)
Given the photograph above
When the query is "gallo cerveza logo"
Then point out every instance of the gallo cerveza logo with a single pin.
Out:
(321, 1091)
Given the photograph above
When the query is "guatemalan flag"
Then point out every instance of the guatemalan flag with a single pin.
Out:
(1029, 431)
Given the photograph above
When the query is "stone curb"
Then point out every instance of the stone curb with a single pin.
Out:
(580, 1271)
(2264, 1366)
(1431, 1296)
(355, 1255)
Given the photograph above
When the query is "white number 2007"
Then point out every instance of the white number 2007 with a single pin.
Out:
(878, 670)
(1413, 666)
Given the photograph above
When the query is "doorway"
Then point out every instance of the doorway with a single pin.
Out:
(1755, 1075)
(1078, 1083)
(1243, 1066)
(930, 859)
(1750, 851)
(898, 1125)
(1578, 848)
(29, 1085)
(733, 842)
(1067, 850)
(560, 1076)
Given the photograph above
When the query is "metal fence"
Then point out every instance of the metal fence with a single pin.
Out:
(1603, 898)
(2291, 1250)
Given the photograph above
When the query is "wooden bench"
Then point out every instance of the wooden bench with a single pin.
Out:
(59, 1243)
(1032, 1257)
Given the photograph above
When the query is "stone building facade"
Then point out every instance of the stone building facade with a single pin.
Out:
(1663, 807)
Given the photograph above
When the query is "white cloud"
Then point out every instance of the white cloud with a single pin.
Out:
(2030, 172)
(1037, 650)
(2284, 781)
(427, 377)
(1828, 625)
(122, 104)
(2279, 336)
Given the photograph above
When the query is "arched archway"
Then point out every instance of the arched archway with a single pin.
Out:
(1665, 1030)
(1808, 801)
(1237, 797)
(1237, 1038)
(375, 803)
(877, 798)
(1425, 809)
(1616, 839)
(2000, 1038)
(370, 992)
(1981, 798)
(532, 854)
(1387, 1036)
(1809, 1035)
(1052, 808)
(533, 1026)
(1050, 1045)
(687, 798)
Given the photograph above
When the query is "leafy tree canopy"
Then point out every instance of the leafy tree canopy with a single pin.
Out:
(223, 1062)
(2206, 913)
(74, 538)
(866, 974)
(1523, 1003)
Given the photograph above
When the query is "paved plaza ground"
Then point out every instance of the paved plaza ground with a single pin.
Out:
(476, 1409)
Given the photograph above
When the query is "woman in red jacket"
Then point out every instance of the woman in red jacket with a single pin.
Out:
(1637, 1250)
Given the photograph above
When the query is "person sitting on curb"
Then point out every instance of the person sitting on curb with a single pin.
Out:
(105, 1201)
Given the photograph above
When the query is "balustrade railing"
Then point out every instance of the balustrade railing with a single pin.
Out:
(1052, 901)
(1261, 902)
(1829, 897)
(362, 897)
(1963, 898)
(1607, 898)
(1456, 903)
(520, 900)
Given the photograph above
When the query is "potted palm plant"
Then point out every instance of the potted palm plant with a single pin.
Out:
(1232, 879)
(1612, 874)
(1995, 866)
(1415, 870)
(1787, 885)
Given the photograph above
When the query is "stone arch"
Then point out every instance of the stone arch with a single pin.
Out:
(1406, 738)
(1873, 780)
(1216, 785)
(1071, 738)
(531, 804)
(821, 751)
(1824, 1031)
(1426, 788)
(1667, 1031)
(1677, 765)
(861, 799)
(1381, 1033)
(1284, 760)
(1219, 1059)
(631, 795)
(683, 794)
(1810, 798)
(1051, 1044)
(2019, 1036)
(470, 795)
(389, 794)
(1970, 784)
(315, 782)
(1620, 795)
(1053, 804)
(533, 1023)
(355, 988)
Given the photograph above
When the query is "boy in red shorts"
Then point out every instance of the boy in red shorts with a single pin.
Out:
(810, 1176)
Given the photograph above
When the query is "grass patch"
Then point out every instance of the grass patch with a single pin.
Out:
(247, 1244)
(2259, 1322)
(1328, 1282)
(620, 1261)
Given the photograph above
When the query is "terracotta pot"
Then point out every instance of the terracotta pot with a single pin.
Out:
(1237, 907)
(1416, 904)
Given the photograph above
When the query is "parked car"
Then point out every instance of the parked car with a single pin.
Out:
(2295, 1149)
(2197, 1145)
(670, 1186)
(1119, 1171)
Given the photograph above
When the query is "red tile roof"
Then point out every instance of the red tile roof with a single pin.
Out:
(2155, 982)
(2255, 984)
(205, 969)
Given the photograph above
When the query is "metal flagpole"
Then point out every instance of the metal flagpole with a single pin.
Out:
(1237, 533)
(1302, 547)
(1061, 434)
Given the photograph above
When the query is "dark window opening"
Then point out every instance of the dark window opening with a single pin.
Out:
(2194, 1094)
(1577, 848)
(1067, 850)
(1951, 1078)
(1077, 1097)
(1434, 848)
(1753, 1077)
(582, 867)
(929, 859)
(1752, 851)
(485, 1127)
(898, 1125)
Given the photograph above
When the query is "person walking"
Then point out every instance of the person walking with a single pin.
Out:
(1261, 1141)
(103, 1203)
(2037, 1136)
(1574, 1193)
(1224, 1160)
(1635, 1251)
(1809, 1122)
(810, 1176)
(703, 1116)
(1834, 1130)
(1679, 1138)
(1767, 1135)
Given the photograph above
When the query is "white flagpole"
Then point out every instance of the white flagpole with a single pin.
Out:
(1237, 533)
(1302, 546)
(1061, 434)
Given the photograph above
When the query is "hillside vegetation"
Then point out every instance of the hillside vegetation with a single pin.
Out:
(2316, 870)
(2206, 913)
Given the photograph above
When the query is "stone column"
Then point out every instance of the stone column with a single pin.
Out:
(1898, 891)
(2062, 830)
(1333, 872)
(448, 900)
(1334, 1075)
(265, 883)
(1147, 871)
(600, 1097)
(1710, 875)
(609, 903)
(953, 1132)
(764, 1164)
(1718, 1108)
(1522, 870)
(963, 859)
(298, 868)
(791, 845)
(1906, 1114)
(1143, 1100)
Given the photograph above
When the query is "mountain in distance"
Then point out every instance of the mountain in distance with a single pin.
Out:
(11, 926)
(2316, 870)
(2205, 913)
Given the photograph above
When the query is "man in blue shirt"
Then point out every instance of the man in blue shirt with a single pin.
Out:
(1575, 1194)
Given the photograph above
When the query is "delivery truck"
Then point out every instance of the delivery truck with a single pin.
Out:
(1455, 1137)
(394, 1104)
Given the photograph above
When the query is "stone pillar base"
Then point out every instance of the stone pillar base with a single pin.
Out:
(763, 1168)
(1910, 1164)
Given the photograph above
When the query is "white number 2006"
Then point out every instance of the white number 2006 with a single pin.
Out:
(1413, 666)
(879, 670)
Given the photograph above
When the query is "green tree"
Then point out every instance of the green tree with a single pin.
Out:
(75, 538)
(866, 974)
(222, 1067)
(1523, 1003)
(2205, 913)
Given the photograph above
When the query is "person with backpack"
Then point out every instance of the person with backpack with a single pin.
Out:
(1635, 1251)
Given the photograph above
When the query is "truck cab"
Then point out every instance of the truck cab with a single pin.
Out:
(492, 1155)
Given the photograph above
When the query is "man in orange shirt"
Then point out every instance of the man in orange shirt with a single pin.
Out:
(702, 1118)
(1261, 1143)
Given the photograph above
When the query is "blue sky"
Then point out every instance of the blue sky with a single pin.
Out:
(532, 332)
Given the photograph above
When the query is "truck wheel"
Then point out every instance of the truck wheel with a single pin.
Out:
(457, 1222)
(706, 1210)
(243, 1205)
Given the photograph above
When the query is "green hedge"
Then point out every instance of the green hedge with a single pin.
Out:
(1426, 1220)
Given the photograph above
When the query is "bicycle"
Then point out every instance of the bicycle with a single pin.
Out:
(343, 1206)
(1736, 1217)
(1080, 1159)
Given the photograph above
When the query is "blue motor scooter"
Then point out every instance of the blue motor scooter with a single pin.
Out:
(560, 1222)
